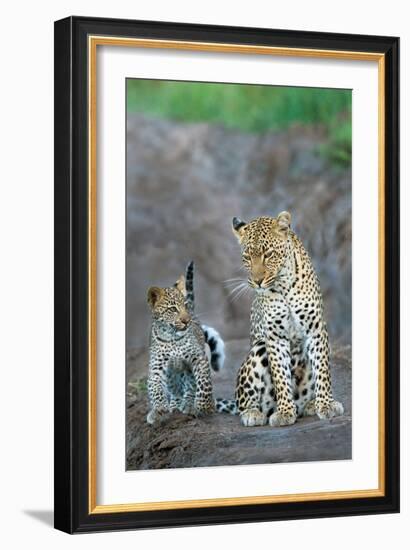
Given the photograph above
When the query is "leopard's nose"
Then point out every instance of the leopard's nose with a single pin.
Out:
(184, 318)
(258, 281)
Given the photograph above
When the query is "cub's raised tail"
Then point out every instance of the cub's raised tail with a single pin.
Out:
(215, 346)
(189, 286)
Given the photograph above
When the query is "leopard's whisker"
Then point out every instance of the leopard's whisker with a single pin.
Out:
(236, 289)
(234, 283)
(237, 292)
(241, 292)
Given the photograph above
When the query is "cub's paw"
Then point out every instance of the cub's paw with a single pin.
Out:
(329, 410)
(175, 405)
(286, 418)
(253, 417)
(156, 415)
(188, 408)
(204, 406)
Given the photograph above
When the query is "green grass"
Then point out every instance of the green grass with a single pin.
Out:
(251, 108)
(338, 149)
(139, 386)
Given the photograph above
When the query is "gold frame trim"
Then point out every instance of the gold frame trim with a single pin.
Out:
(93, 42)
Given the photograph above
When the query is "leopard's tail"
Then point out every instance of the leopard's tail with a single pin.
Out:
(189, 286)
(215, 344)
(216, 347)
(226, 406)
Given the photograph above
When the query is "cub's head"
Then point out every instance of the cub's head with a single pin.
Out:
(168, 304)
(264, 247)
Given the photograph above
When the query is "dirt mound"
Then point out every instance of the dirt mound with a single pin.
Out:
(184, 442)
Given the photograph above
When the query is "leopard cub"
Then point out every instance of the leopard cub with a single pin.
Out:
(182, 352)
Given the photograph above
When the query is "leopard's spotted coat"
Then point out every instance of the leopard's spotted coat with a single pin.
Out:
(181, 353)
(286, 372)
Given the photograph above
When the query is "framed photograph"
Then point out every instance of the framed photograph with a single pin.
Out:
(226, 274)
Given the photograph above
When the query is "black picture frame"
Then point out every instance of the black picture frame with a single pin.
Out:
(71, 493)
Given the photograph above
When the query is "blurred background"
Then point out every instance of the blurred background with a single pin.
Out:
(199, 154)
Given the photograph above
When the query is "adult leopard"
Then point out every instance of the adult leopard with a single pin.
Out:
(286, 372)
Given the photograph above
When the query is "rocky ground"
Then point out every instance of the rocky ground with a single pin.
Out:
(183, 442)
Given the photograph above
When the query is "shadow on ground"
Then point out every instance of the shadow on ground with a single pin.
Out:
(184, 442)
(43, 516)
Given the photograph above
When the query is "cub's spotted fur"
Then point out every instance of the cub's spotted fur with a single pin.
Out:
(181, 352)
(286, 373)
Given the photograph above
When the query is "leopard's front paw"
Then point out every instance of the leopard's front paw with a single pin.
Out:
(156, 415)
(204, 406)
(253, 417)
(285, 418)
(329, 410)
(310, 408)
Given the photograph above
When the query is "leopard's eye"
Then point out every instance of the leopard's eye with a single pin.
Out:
(269, 254)
(173, 309)
(246, 257)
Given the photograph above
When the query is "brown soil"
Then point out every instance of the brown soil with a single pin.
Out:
(183, 442)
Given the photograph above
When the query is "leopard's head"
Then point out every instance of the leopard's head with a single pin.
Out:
(169, 305)
(264, 244)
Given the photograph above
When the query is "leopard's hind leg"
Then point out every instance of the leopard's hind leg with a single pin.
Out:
(175, 389)
(189, 389)
(254, 389)
(303, 385)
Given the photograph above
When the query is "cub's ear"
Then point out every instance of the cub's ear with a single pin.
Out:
(180, 285)
(154, 295)
(238, 228)
(283, 221)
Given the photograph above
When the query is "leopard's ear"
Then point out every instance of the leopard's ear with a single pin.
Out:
(154, 295)
(180, 285)
(283, 221)
(238, 228)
